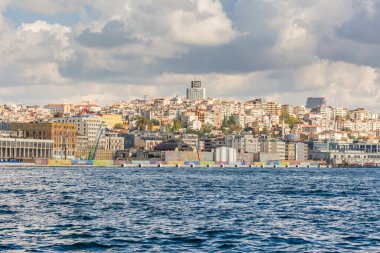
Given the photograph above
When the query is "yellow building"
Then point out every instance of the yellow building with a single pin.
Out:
(63, 134)
(156, 128)
(110, 119)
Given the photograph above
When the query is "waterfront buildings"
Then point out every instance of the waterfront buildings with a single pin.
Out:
(63, 136)
(225, 155)
(212, 143)
(346, 153)
(253, 128)
(272, 149)
(20, 149)
(243, 143)
(296, 151)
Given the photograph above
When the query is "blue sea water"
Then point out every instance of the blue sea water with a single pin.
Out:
(189, 210)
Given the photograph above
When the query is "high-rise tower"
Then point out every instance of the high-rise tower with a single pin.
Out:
(315, 102)
(196, 91)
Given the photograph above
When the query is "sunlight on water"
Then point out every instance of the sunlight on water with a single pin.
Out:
(196, 210)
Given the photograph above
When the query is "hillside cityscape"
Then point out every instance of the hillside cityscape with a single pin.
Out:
(195, 129)
(190, 126)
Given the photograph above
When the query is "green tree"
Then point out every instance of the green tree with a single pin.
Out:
(141, 122)
(265, 131)
(290, 120)
(57, 114)
(176, 125)
(192, 131)
(118, 126)
(230, 125)
(228, 121)
(207, 128)
(236, 128)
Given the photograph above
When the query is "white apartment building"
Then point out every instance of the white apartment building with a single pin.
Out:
(340, 112)
(87, 126)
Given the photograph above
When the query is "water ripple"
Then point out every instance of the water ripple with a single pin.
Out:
(189, 210)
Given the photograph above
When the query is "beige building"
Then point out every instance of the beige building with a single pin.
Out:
(59, 108)
(296, 151)
(62, 134)
(274, 148)
(87, 126)
(273, 108)
(107, 146)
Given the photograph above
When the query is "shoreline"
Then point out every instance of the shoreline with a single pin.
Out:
(178, 166)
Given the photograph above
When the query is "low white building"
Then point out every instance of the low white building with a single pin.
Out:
(225, 155)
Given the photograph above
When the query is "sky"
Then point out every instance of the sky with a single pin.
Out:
(106, 51)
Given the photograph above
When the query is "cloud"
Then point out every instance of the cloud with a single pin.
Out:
(203, 24)
(113, 34)
(32, 54)
(285, 50)
(363, 26)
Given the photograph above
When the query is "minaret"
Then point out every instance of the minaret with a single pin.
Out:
(335, 124)
(283, 127)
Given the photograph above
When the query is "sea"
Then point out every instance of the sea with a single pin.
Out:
(189, 210)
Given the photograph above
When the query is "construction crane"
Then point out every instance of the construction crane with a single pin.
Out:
(92, 154)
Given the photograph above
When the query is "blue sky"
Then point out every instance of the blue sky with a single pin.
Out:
(105, 51)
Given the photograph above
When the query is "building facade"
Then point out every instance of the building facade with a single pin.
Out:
(59, 108)
(246, 143)
(110, 120)
(313, 102)
(196, 91)
(296, 151)
(19, 149)
(87, 126)
(272, 150)
(63, 136)
(106, 149)
(225, 155)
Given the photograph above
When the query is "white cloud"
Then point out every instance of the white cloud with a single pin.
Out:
(32, 53)
(204, 24)
(324, 74)
(191, 22)
(281, 49)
